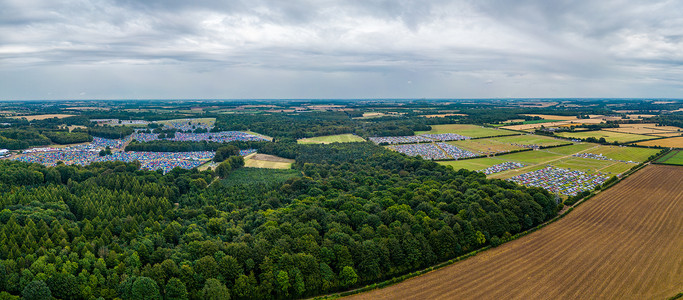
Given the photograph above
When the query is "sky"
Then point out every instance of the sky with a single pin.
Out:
(274, 49)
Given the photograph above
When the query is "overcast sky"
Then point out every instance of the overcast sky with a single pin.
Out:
(128, 49)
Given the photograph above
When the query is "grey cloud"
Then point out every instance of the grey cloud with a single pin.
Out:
(527, 46)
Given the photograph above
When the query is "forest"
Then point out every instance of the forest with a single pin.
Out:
(347, 215)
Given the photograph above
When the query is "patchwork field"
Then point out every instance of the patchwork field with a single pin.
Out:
(472, 131)
(672, 158)
(257, 160)
(622, 244)
(609, 136)
(676, 142)
(339, 138)
(647, 129)
(43, 117)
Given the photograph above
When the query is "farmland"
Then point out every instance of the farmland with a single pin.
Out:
(672, 158)
(622, 244)
(609, 136)
(614, 159)
(43, 117)
(529, 139)
(267, 161)
(647, 129)
(339, 138)
(676, 142)
(472, 131)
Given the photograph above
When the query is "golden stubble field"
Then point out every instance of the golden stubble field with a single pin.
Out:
(624, 243)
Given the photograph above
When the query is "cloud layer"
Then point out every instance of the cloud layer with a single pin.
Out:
(110, 49)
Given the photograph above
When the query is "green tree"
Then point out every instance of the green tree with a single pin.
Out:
(145, 288)
(36, 290)
(348, 276)
(175, 290)
(214, 290)
(283, 283)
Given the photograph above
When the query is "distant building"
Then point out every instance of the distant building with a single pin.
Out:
(4, 152)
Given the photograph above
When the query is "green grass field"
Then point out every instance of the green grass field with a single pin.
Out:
(609, 136)
(582, 164)
(624, 153)
(473, 131)
(528, 139)
(485, 146)
(673, 158)
(472, 164)
(531, 157)
(339, 138)
(571, 149)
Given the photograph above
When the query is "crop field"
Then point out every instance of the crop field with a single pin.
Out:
(472, 131)
(608, 135)
(485, 146)
(622, 244)
(43, 117)
(676, 142)
(203, 121)
(339, 138)
(672, 158)
(267, 161)
(647, 129)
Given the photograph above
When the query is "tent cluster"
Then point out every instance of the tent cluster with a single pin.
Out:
(188, 124)
(508, 165)
(601, 157)
(417, 138)
(561, 181)
(433, 151)
(218, 137)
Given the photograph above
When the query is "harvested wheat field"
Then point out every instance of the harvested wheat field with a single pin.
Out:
(624, 243)
(43, 117)
(675, 142)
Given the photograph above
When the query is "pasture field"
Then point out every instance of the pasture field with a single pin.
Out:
(267, 161)
(624, 243)
(609, 136)
(647, 129)
(474, 164)
(571, 149)
(473, 131)
(339, 138)
(485, 146)
(624, 153)
(672, 158)
(531, 139)
(531, 157)
(258, 134)
(584, 164)
(43, 117)
(675, 142)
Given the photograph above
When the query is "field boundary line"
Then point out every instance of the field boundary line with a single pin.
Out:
(561, 215)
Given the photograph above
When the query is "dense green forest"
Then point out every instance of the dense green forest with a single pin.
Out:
(347, 215)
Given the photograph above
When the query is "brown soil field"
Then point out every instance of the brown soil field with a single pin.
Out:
(624, 243)
(676, 142)
(43, 117)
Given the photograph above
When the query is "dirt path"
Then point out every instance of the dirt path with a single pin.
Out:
(624, 243)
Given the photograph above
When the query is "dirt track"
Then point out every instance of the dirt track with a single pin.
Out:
(625, 243)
